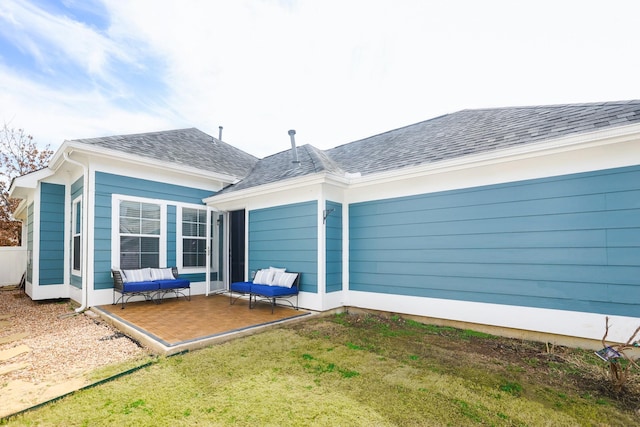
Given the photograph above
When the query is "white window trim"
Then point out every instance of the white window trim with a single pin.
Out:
(115, 226)
(180, 238)
(74, 207)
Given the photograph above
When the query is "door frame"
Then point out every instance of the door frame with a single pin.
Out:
(212, 251)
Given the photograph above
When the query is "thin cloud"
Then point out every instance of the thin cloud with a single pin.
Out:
(53, 39)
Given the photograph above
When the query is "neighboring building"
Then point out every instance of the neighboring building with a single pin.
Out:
(524, 218)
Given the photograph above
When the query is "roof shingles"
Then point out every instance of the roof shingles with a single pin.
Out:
(188, 147)
(476, 131)
(446, 137)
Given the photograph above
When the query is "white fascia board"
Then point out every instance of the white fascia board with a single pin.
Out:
(554, 146)
(21, 185)
(279, 186)
(19, 210)
(70, 146)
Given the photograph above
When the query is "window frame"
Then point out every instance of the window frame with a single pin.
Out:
(116, 200)
(76, 233)
(180, 238)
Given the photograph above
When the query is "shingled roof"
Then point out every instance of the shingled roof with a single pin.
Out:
(446, 137)
(280, 166)
(189, 147)
(477, 131)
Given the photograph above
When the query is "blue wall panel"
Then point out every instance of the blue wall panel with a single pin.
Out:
(108, 184)
(569, 243)
(334, 247)
(51, 255)
(286, 236)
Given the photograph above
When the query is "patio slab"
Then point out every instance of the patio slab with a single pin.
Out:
(176, 324)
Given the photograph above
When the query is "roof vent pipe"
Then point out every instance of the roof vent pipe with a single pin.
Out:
(220, 133)
(294, 150)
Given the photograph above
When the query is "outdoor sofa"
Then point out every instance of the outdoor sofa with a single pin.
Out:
(151, 283)
(269, 284)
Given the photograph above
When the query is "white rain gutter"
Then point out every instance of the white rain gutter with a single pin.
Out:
(85, 230)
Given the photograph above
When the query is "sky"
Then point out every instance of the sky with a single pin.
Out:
(336, 71)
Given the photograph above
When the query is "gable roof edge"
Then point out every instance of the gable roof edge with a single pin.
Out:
(70, 146)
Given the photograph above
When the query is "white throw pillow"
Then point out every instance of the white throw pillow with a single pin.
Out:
(286, 280)
(162, 274)
(258, 277)
(263, 277)
(133, 275)
(277, 273)
(146, 274)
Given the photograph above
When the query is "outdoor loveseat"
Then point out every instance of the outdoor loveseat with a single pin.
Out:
(151, 283)
(270, 284)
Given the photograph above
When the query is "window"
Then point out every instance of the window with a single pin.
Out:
(140, 227)
(76, 225)
(194, 237)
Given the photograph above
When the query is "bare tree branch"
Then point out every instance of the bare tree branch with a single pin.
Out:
(19, 155)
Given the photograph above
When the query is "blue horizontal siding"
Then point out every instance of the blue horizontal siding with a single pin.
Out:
(286, 236)
(333, 238)
(76, 281)
(108, 184)
(194, 277)
(51, 255)
(569, 242)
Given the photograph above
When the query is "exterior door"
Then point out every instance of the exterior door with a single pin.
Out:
(217, 247)
(237, 245)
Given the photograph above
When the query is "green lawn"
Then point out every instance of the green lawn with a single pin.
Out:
(349, 370)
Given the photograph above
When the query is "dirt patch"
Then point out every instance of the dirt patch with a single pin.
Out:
(50, 349)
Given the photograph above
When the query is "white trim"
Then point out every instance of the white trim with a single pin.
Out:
(557, 322)
(321, 260)
(27, 182)
(283, 185)
(42, 292)
(34, 254)
(137, 161)
(180, 238)
(74, 206)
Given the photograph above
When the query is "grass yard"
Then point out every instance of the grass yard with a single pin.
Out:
(358, 370)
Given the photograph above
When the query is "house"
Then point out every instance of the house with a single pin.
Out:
(524, 218)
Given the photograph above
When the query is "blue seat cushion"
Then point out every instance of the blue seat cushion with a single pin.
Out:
(243, 287)
(175, 283)
(140, 286)
(273, 291)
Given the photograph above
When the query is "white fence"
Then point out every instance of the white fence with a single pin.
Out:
(13, 262)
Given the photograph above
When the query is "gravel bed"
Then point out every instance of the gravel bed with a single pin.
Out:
(63, 343)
